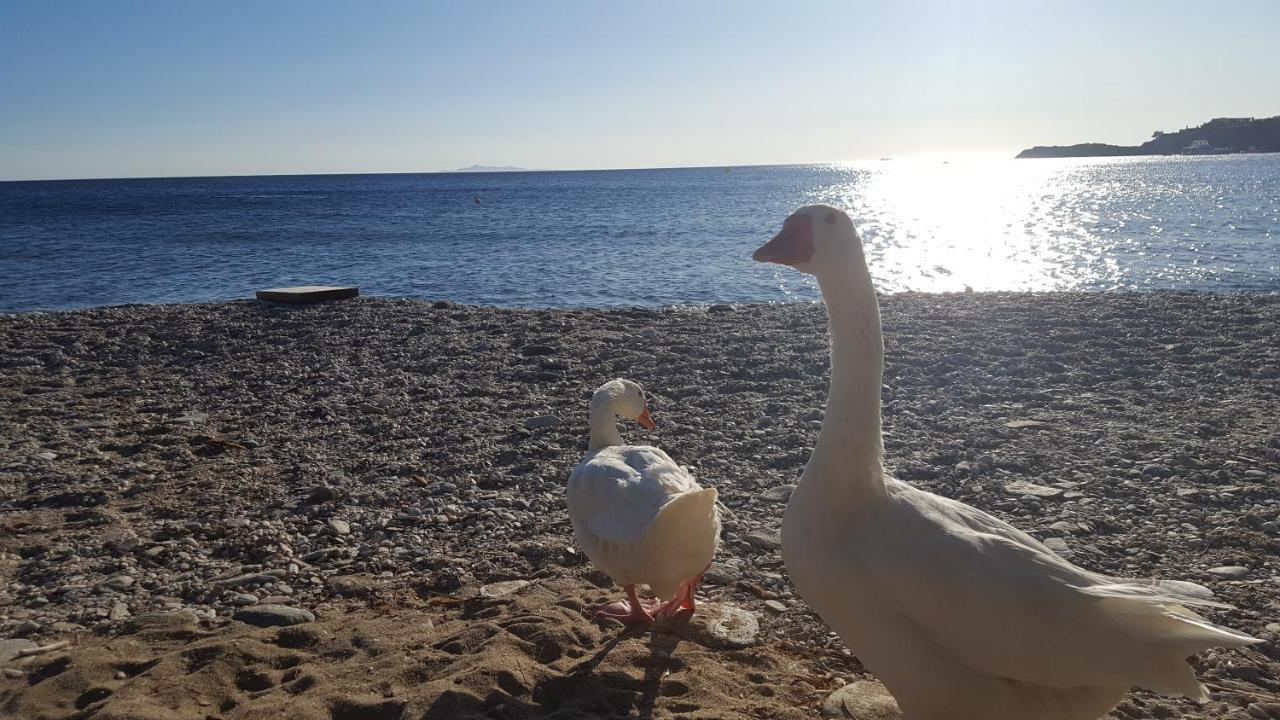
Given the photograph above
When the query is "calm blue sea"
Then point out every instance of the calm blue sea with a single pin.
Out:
(643, 237)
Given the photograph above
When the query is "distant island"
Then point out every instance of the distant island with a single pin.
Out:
(1220, 136)
(493, 168)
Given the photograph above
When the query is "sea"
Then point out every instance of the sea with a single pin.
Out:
(643, 237)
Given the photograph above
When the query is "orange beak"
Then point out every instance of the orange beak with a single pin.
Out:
(646, 421)
(792, 246)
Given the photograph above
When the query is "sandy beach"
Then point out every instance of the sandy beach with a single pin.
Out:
(355, 510)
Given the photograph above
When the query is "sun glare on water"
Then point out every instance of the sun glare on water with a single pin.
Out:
(935, 226)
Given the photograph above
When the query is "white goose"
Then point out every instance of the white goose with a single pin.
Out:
(639, 516)
(961, 615)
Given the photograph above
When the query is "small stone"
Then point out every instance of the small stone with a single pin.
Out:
(1022, 487)
(721, 574)
(339, 527)
(44, 456)
(243, 599)
(767, 541)
(775, 606)
(541, 421)
(117, 583)
(862, 700)
(160, 620)
(535, 350)
(779, 493)
(271, 615)
(1230, 572)
(9, 648)
(321, 494)
(442, 304)
(1062, 526)
(119, 611)
(1021, 424)
(1056, 544)
(498, 589)
(13, 673)
(731, 628)
(1273, 627)
(720, 308)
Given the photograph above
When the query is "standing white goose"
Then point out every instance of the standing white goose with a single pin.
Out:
(639, 516)
(961, 615)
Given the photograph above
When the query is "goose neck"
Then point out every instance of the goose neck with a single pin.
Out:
(851, 439)
(604, 423)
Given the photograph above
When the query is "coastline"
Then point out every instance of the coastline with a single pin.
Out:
(365, 458)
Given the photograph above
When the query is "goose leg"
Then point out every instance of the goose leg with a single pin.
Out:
(631, 611)
(683, 599)
(693, 587)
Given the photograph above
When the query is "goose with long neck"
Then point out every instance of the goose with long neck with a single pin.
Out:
(961, 615)
(640, 517)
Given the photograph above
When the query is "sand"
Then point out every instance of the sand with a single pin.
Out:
(375, 463)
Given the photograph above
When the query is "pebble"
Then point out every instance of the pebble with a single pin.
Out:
(271, 615)
(721, 574)
(1022, 487)
(10, 648)
(118, 583)
(45, 456)
(1056, 544)
(768, 541)
(340, 527)
(534, 350)
(730, 627)
(498, 589)
(119, 611)
(1021, 424)
(158, 620)
(779, 493)
(1230, 572)
(862, 700)
(541, 421)
(775, 606)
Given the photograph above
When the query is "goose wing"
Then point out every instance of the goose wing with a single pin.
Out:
(617, 492)
(1005, 605)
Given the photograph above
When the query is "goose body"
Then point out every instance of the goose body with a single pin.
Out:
(640, 518)
(961, 615)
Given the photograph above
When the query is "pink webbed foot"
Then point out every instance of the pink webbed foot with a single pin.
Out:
(636, 611)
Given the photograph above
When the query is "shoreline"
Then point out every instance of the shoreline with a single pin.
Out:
(674, 307)
(374, 453)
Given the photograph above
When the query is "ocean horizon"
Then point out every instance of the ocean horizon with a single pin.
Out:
(648, 237)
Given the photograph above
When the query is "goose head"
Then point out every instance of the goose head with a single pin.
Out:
(814, 240)
(626, 399)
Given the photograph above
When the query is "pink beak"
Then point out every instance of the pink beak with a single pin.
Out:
(792, 246)
(646, 421)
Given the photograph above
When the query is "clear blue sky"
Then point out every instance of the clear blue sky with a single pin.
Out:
(111, 88)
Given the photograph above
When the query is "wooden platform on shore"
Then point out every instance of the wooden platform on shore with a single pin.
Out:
(308, 293)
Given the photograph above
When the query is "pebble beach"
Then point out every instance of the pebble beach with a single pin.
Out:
(356, 509)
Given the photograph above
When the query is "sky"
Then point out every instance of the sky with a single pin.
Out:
(119, 88)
